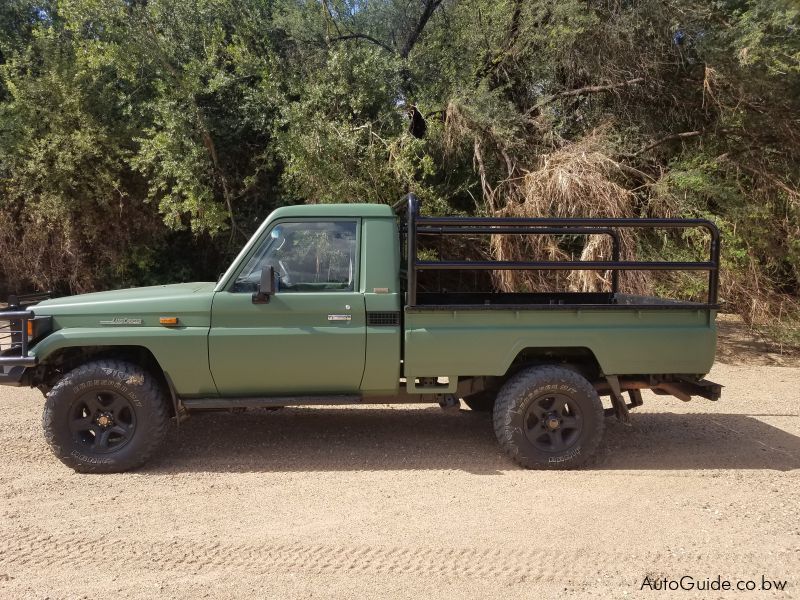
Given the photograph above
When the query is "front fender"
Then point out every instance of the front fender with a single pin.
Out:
(182, 352)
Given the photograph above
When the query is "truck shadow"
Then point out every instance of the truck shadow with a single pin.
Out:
(323, 439)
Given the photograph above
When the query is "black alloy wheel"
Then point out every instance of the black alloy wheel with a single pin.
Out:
(103, 421)
(553, 422)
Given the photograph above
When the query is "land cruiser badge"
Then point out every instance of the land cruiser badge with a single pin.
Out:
(121, 321)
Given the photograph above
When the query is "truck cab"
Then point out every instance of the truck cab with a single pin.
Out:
(335, 305)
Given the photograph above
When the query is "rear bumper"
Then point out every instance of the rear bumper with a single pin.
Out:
(703, 388)
(679, 386)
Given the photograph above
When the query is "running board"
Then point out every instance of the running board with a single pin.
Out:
(224, 403)
(466, 387)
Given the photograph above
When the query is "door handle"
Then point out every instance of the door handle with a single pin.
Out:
(339, 317)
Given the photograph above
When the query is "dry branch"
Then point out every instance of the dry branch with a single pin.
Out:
(362, 36)
(675, 136)
(590, 89)
(793, 193)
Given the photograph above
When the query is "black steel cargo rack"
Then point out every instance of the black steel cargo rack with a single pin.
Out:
(412, 225)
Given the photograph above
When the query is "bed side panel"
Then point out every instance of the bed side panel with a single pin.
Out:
(625, 342)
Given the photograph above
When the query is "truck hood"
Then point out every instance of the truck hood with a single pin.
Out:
(190, 302)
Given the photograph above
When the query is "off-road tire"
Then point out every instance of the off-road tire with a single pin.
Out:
(515, 418)
(147, 409)
(482, 401)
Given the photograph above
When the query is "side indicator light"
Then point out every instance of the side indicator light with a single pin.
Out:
(30, 330)
(168, 320)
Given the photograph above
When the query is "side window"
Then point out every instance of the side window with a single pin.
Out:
(306, 256)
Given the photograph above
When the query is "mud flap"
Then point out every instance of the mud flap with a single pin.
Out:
(620, 409)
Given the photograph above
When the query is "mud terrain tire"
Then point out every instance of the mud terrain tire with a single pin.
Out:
(106, 416)
(548, 417)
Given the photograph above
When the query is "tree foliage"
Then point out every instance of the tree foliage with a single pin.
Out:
(141, 141)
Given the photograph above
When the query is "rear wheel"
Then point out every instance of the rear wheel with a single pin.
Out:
(548, 418)
(105, 416)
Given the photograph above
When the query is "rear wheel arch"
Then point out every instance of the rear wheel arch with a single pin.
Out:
(580, 359)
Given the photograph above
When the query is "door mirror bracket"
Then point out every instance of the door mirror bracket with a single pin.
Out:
(266, 286)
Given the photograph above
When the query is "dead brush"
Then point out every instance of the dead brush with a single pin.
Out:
(579, 180)
(772, 315)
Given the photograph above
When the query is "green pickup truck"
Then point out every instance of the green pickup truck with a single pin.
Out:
(346, 304)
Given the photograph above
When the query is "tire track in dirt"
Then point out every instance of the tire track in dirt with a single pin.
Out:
(35, 551)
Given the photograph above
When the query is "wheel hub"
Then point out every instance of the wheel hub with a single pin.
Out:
(105, 420)
(552, 422)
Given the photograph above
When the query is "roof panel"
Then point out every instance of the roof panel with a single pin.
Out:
(335, 210)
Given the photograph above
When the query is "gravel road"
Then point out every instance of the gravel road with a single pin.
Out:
(412, 503)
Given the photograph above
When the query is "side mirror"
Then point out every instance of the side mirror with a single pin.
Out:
(266, 286)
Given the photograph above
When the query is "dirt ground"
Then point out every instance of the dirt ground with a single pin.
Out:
(396, 502)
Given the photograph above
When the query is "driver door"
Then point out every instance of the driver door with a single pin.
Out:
(310, 338)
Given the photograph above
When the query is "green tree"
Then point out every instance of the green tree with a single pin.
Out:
(143, 140)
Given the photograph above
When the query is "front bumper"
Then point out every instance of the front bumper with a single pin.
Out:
(12, 375)
(15, 360)
(17, 325)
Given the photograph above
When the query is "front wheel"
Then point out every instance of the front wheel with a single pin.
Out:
(548, 418)
(105, 416)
